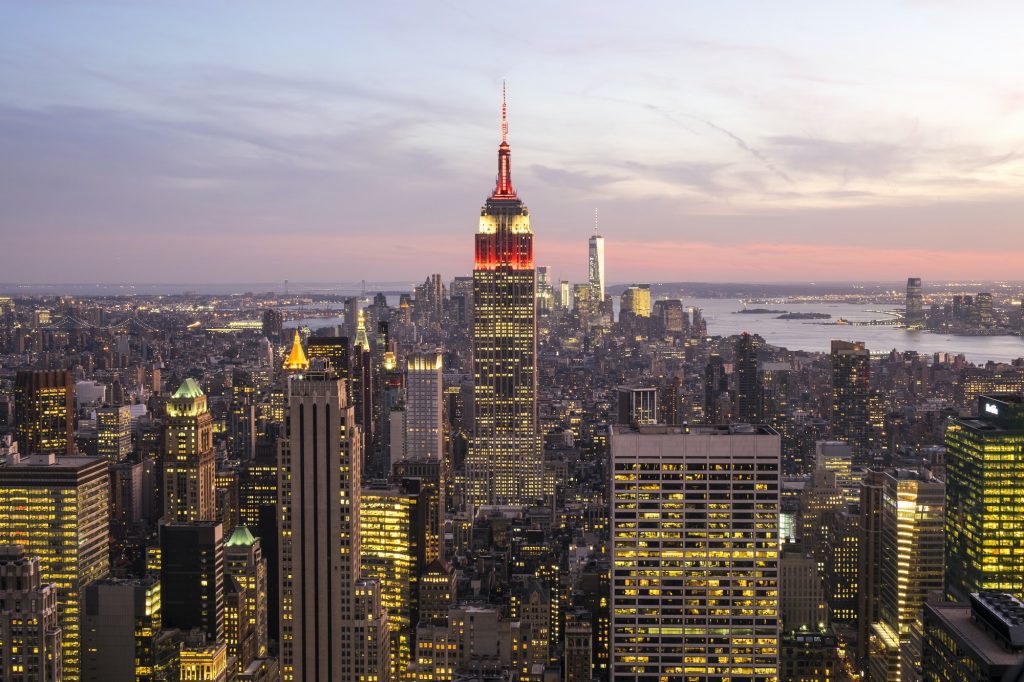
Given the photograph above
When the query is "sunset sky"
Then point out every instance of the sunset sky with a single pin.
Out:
(742, 141)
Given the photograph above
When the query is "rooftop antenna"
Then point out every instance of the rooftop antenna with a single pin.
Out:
(595, 221)
(504, 114)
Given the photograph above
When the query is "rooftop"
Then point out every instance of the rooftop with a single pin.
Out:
(188, 389)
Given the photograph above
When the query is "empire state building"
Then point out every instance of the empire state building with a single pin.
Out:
(504, 464)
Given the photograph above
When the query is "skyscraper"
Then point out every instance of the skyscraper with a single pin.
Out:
(114, 432)
(749, 391)
(30, 634)
(245, 566)
(192, 577)
(695, 528)
(851, 389)
(504, 464)
(595, 264)
(913, 316)
(393, 535)
(636, 299)
(910, 567)
(716, 389)
(56, 508)
(424, 409)
(319, 484)
(189, 466)
(984, 508)
(44, 409)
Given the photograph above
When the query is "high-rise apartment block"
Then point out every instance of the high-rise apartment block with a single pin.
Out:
(694, 525)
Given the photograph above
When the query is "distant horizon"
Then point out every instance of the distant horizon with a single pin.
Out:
(349, 288)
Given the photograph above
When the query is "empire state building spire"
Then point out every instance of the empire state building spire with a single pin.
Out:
(503, 188)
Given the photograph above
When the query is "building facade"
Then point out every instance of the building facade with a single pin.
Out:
(984, 507)
(319, 485)
(57, 509)
(695, 523)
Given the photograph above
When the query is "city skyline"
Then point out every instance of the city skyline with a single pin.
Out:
(714, 142)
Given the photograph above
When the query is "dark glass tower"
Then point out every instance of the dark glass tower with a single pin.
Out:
(749, 392)
(984, 503)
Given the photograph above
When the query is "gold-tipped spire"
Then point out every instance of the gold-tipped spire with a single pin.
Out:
(361, 339)
(296, 360)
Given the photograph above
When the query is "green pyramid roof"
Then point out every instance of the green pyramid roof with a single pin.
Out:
(188, 389)
(241, 537)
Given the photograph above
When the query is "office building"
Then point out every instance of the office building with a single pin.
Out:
(392, 532)
(114, 432)
(801, 597)
(851, 390)
(716, 390)
(192, 577)
(44, 409)
(319, 486)
(694, 525)
(206, 662)
(30, 632)
(981, 640)
(749, 389)
(636, 300)
(189, 466)
(670, 316)
(121, 622)
(869, 544)
(245, 574)
(296, 361)
(636, 405)
(913, 315)
(430, 476)
(369, 657)
(595, 264)
(910, 568)
(840, 566)
(57, 509)
(984, 506)
(578, 655)
(334, 351)
(504, 464)
(424, 408)
(272, 324)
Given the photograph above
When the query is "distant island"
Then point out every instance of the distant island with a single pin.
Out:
(758, 311)
(804, 316)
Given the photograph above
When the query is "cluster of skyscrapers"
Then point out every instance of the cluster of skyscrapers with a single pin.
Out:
(499, 481)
